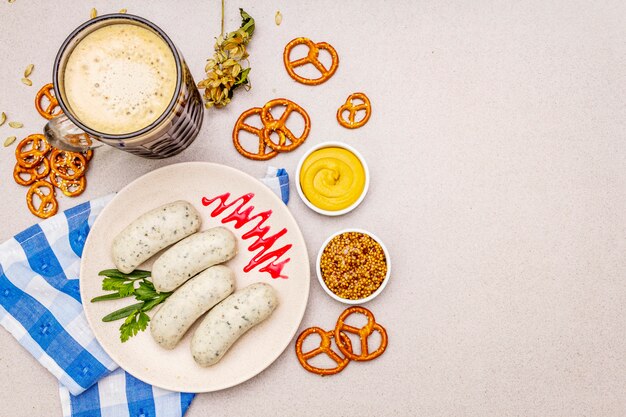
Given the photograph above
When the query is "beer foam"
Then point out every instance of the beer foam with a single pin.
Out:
(120, 78)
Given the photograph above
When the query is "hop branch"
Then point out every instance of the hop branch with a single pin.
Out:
(225, 71)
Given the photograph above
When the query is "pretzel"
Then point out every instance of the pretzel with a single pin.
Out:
(311, 58)
(79, 140)
(32, 157)
(34, 174)
(324, 347)
(70, 188)
(49, 112)
(363, 333)
(48, 205)
(261, 154)
(278, 125)
(68, 165)
(353, 109)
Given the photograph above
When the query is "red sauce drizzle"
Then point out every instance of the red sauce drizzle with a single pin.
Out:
(240, 216)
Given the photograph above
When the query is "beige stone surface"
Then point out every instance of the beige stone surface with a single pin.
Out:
(497, 149)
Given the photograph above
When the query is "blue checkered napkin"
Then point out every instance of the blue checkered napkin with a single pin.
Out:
(120, 394)
(40, 306)
(277, 180)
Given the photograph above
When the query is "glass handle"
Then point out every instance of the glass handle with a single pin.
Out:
(63, 134)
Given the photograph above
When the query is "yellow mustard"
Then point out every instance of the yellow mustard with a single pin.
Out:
(332, 178)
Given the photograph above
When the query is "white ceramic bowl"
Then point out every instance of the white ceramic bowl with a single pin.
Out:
(318, 269)
(332, 212)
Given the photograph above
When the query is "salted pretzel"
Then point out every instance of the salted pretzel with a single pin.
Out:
(70, 188)
(32, 150)
(279, 125)
(48, 205)
(27, 176)
(262, 154)
(53, 109)
(67, 165)
(311, 58)
(352, 110)
(324, 347)
(363, 333)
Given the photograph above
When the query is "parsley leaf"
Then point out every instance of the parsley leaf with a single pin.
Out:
(129, 328)
(112, 284)
(142, 321)
(124, 286)
(145, 291)
(135, 323)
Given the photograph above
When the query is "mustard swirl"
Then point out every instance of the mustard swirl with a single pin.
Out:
(332, 178)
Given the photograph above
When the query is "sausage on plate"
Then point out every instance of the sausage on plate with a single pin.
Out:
(189, 302)
(192, 255)
(229, 320)
(153, 231)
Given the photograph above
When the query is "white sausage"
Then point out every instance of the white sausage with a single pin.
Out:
(192, 255)
(230, 319)
(189, 302)
(153, 231)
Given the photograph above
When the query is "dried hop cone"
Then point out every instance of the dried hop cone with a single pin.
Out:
(224, 71)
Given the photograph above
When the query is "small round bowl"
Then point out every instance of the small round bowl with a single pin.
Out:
(332, 145)
(380, 289)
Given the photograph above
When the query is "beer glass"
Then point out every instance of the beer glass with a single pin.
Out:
(172, 132)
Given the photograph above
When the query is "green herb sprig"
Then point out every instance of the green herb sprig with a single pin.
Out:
(134, 284)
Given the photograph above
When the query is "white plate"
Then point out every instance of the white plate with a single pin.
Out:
(253, 352)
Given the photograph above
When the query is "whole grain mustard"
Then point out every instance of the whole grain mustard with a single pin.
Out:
(353, 265)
